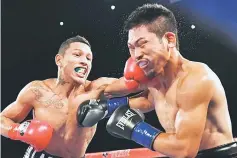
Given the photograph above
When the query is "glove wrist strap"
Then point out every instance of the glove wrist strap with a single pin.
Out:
(114, 103)
(12, 132)
(145, 134)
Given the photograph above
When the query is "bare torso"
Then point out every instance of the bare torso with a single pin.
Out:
(218, 128)
(69, 140)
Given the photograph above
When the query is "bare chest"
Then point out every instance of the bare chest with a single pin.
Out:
(166, 108)
(50, 107)
(56, 110)
(60, 113)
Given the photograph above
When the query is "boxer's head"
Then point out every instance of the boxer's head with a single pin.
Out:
(74, 60)
(152, 31)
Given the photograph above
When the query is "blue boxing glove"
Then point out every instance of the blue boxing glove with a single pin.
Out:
(92, 111)
(129, 124)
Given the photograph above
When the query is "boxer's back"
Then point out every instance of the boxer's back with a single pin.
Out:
(60, 112)
(167, 103)
(218, 129)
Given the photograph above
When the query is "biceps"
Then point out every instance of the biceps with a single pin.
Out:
(190, 124)
(106, 80)
(16, 111)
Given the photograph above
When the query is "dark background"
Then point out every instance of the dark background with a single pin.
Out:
(31, 36)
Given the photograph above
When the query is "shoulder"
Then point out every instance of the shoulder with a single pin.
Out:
(38, 85)
(42, 84)
(197, 84)
(33, 84)
(29, 91)
(196, 73)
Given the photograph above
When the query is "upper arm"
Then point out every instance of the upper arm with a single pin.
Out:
(19, 109)
(101, 82)
(107, 80)
(118, 88)
(193, 97)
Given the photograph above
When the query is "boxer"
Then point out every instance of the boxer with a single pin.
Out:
(54, 130)
(188, 97)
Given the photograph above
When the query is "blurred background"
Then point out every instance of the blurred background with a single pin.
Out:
(32, 32)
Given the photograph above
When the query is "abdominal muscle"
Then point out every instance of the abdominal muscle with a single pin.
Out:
(68, 140)
(71, 144)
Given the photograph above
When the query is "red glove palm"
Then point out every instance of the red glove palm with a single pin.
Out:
(133, 75)
(33, 132)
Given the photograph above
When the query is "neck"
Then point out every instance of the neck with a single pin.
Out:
(63, 87)
(172, 69)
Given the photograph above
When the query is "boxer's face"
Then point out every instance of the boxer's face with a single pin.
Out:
(76, 62)
(149, 51)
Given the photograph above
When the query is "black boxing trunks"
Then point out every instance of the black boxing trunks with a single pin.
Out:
(223, 151)
(31, 153)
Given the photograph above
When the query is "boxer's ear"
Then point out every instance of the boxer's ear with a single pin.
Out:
(58, 60)
(171, 39)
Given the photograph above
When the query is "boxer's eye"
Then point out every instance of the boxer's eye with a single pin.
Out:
(77, 54)
(142, 43)
(88, 58)
(131, 47)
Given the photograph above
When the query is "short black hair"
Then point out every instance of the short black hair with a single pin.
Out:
(65, 45)
(156, 17)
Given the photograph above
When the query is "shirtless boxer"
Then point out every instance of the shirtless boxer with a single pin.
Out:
(187, 96)
(54, 131)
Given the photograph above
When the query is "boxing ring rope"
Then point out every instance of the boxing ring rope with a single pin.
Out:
(128, 153)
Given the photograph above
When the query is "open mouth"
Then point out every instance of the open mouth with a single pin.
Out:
(143, 63)
(81, 71)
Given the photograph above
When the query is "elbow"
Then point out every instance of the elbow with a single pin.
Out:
(187, 149)
(2, 117)
(188, 152)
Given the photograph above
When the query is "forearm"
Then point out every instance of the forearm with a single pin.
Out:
(165, 143)
(141, 103)
(168, 144)
(6, 125)
(72, 124)
(128, 123)
(118, 89)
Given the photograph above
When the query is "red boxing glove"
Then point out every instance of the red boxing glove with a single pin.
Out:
(34, 132)
(133, 75)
